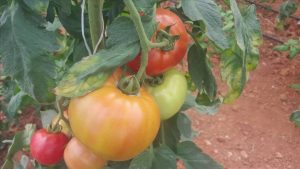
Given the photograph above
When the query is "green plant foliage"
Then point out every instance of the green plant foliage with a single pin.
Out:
(208, 12)
(18, 101)
(91, 72)
(292, 46)
(194, 158)
(38, 6)
(197, 104)
(287, 9)
(39, 61)
(200, 71)
(295, 118)
(243, 55)
(26, 48)
(21, 140)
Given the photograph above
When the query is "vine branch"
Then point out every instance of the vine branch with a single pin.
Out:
(95, 21)
(146, 44)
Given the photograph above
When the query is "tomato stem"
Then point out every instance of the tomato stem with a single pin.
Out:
(96, 21)
(162, 132)
(146, 44)
(59, 101)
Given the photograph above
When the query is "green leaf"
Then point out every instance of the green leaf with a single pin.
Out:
(38, 6)
(142, 161)
(190, 102)
(200, 71)
(70, 17)
(203, 99)
(123, 31)
(164, 158)
(287, 9)
(3, 5)
(169, 133)
(194, 158)
(79, 50)
(184, 125)
(208, 11)
(295, 118)
(281, 48)
(295, 86)
(15, 103)
(91, 72)
(253, 26)
(25, 48)
(292, 42)
(294, 51)
(246, 26)
(21, 140)
(81, 78)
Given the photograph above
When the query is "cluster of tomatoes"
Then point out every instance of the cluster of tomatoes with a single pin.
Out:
(109, 125)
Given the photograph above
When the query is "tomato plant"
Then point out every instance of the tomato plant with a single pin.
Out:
(48, 148)
(78, 156)
(169, 93)
(120, 116)
(161, 60)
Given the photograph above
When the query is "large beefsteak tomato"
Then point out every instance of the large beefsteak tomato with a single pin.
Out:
(112, 124)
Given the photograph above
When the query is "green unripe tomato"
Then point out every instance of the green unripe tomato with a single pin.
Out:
(170, 93)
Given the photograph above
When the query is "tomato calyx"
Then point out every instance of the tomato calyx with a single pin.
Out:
(129, 85)
(154, 80)
(55, 127)
(163, 35)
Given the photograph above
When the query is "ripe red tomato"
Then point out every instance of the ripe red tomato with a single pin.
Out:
(78, 156)
(112, 124)
(48, 148)
(160, 61)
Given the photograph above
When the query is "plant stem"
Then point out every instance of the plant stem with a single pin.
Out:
(162, 132)
(95, 18)
(144, 41)
(59, 100)
(146, 44)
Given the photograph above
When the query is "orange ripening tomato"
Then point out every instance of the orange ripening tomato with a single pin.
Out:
(78, 156)
(112, 124)
(160, 61)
